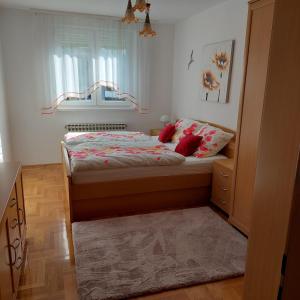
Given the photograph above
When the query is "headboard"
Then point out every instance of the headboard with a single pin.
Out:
(229, 150)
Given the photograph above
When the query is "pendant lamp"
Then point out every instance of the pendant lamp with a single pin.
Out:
(129, 17)
(140, 5)
(147, 30)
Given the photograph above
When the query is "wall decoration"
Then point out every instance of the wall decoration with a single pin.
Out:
(216, 71)
(191, 60)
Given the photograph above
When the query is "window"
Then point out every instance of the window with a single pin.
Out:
(91, 68)
(109, 94)
(91, 62)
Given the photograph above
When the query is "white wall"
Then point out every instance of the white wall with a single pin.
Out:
(36, 138)
(5, 149)
(221, 22)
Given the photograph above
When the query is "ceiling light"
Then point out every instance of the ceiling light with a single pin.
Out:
(140, 5)
(129, 17)
(147, 30)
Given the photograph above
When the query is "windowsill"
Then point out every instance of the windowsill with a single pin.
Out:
(93, 107)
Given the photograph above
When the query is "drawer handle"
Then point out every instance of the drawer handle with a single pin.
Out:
(13, 202)
(16, 243)
(14, 246)
(14, 223)
(22, 244)
(13, 261)
(224, 174)
(20, 260)
(225, 189)
(223, 201)
(21, 213)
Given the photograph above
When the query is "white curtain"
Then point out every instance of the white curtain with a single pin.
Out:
(77, 55)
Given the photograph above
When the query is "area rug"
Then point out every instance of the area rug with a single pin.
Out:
(130, 256)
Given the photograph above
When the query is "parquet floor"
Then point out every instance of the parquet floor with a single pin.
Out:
(50, 271)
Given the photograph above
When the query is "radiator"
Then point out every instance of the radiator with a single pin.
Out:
(90, 127)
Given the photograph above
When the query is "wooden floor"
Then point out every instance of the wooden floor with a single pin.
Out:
(50, 271)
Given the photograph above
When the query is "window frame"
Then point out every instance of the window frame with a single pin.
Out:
(97, 100)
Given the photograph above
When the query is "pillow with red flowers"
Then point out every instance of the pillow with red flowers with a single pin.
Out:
(185, 127)
(188, 144)
(213, 141)
(167, 133)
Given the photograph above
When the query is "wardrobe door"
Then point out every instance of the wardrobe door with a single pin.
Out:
(257, 56)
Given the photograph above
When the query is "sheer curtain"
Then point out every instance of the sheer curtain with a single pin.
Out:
(77, 55)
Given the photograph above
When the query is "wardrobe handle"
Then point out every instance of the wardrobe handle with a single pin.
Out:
(13, 202)
(14, 223)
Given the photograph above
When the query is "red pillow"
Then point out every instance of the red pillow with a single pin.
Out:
(188, 144)
(167, 133)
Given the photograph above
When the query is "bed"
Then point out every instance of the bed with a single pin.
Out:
(95, 194)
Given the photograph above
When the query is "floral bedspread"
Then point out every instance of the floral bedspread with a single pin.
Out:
(75, 138)
(98, 156)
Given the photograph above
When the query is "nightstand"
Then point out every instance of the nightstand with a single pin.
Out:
(222, 184)
(155, 132)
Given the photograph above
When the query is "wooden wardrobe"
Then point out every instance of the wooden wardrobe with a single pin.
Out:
(260, 20)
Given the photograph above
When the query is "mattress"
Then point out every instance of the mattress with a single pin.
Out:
(191, 165)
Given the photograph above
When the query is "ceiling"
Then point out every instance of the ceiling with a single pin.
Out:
(168, 11)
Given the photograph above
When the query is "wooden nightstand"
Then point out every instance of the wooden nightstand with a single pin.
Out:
(222, 184)
(155, 132)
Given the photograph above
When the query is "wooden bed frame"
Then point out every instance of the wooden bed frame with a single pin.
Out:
(142, 195)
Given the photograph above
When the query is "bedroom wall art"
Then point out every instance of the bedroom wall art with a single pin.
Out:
(216, 71)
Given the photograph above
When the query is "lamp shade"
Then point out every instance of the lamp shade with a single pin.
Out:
(165, 119)
(129, 17)
(140, 5)
(147, 30)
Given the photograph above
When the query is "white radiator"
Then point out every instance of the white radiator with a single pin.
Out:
(90, 127)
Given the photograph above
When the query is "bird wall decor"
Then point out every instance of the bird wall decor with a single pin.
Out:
(191, 59)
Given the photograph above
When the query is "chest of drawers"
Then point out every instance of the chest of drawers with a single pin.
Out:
(222, 184)
(12, 229)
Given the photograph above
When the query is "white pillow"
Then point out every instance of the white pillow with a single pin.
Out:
(214, 140)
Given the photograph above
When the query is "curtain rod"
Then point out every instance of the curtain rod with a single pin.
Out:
(67, 13)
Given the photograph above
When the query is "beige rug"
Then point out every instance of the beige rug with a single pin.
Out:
(131, 256)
